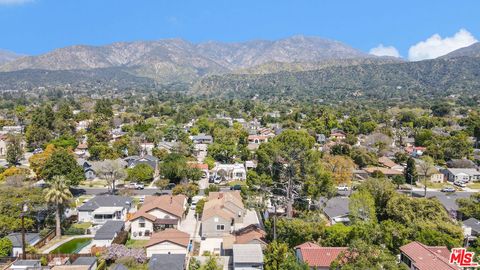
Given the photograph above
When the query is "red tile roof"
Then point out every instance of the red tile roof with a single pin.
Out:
(169, 235)
(426, 257)
(316, 256)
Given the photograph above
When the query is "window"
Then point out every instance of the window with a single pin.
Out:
(141, 223)
(220, 227)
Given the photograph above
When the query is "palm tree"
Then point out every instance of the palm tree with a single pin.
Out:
(58, 194)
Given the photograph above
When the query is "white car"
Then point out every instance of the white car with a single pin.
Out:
(342, 188)
(460, 184)
(136, 185)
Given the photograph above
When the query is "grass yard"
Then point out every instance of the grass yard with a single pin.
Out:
(475, 185)
(83, 225)
(73, 246)
(136, 243)
(233, 183)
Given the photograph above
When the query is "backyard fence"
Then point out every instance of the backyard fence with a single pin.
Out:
(45, 239)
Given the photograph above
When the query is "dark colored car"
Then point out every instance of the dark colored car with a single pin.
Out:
(236, 187)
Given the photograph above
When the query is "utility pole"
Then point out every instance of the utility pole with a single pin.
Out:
(22, 216)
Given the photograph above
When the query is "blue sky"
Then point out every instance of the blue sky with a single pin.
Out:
(37, 26)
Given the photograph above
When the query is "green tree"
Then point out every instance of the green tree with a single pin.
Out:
(59, 195)
(62, 162)
(470, 207)
(278, 257)
(361, 255)
(411, 171)
(140, 173)
(14, 150)
(104, 107)
(212, 264)
(188, 190)
(337, 235)
(362, 207)
(6, 247)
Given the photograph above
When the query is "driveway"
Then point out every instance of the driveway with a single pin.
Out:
(189, 225)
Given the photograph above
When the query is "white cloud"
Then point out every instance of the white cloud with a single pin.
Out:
(436, 46)
(14, 2)
(381, 50)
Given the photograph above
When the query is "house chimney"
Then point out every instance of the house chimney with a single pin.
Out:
(171, 199)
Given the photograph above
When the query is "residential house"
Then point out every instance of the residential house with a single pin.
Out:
(250, 164)
(107, 233)
(101, 208)
(336, 209)
(461, 174)
(388, 163)
(471, 228)
(247, 256)
(338, 135)
(167, 262)
(317, 257)
(89, 262)
(436, 176)
(26, 265)
(386, 171)
(258, 139)
(168, 146)
(83, 125)
(12, 129)
(202, 139)
(117, 134)
(87, 169)
(3, 144)
(220, 213)
(229, 172)
(202, 167)
(16, 238)
(168, 241)
(150, 160)
(417, 256)
(449, 202)
(415, 151)
(81, 150)
(158, 213)
(252, 234)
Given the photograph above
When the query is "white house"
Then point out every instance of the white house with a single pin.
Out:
(461, 174)
(16, 238)
(107, 233)
(169, 241)
(104, 207)
(230, 172)
(158, 213)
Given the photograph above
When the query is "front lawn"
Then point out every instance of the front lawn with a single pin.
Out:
(474, 185)
(136, 243)
(83, 225)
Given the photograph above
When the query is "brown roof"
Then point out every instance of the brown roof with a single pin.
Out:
(385, 161)
(428, 257)
(215, 205)
(316, 256)
(385, 171)
(201, 166)
(82, 146)
(169, 235)
(174, 205)
(248, 237)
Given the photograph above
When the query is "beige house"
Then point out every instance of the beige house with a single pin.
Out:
(169, 241)
(388, 163)
(221, 211)
(158, 213)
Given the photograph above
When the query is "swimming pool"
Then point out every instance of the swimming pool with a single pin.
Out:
(73, 246)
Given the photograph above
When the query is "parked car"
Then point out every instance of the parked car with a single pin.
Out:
(135, 185)
(448, 189)
(459, 184)
(170, 186)
(195, 200)
(342, 188)
(236, 187)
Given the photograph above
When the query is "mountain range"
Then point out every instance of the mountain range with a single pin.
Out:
(179, 60)
(299, 63)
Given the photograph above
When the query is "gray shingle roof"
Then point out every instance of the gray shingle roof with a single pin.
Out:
(336, 207)
(247, 253)
(105, 201)
(472, 223)
(133, 161)
(109, 230)
(167, 262)
(448, 200)
(30, 238)
(85, 261)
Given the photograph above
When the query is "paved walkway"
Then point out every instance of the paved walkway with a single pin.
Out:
(63, 241)
(189, 224)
